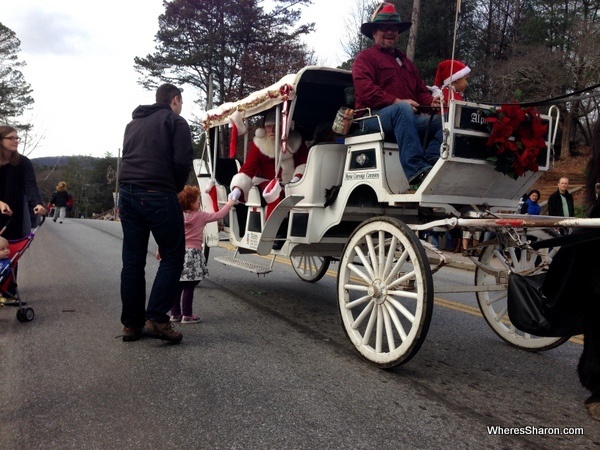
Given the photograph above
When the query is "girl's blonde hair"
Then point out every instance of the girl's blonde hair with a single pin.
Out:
(62, 186)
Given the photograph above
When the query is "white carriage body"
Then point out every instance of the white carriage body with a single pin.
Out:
(460, 182)
(354, 205)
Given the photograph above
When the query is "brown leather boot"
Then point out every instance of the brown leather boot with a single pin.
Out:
(164, 331)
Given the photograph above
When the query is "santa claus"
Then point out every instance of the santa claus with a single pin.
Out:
(259, 167)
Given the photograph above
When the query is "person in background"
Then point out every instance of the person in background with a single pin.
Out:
(194, 266)
(531, 205)
(425, 235)
(18, 187)
(467, 236)
(60, 199)
(560, 203)
(389, 83)
(157, 159)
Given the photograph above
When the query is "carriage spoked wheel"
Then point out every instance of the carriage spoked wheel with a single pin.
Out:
(310, 268)
(493, 304)
(385, 291)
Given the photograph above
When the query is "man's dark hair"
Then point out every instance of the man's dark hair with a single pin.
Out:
(166, 93)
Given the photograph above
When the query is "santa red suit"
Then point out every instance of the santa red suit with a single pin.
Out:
(259, 167)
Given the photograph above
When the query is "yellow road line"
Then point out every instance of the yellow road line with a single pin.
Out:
(445, 303)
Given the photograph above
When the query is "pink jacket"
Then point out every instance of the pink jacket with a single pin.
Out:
(194, 223)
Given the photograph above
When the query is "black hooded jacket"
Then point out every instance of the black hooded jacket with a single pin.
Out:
(157, 149)
(555, 204)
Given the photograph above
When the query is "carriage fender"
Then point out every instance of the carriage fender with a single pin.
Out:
(269, 232)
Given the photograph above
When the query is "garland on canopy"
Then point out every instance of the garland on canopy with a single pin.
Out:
(283, 92)
(517, 137)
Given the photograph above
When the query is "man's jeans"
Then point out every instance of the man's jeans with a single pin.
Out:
(143, 212)
(409, 128)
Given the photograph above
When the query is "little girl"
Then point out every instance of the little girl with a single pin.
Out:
(194, 266)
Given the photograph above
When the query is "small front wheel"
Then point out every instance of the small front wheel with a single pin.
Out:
(310, 268)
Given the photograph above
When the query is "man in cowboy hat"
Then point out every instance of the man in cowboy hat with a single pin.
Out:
(389, 83)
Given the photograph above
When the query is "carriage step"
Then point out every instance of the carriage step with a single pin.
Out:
(245, 265)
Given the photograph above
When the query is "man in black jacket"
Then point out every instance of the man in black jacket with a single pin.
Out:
(157, 158)
(560, 203)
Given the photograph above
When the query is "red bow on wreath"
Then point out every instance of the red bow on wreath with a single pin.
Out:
(516, 139)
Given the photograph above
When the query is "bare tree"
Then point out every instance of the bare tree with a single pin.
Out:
(354, 40)
(412, 36)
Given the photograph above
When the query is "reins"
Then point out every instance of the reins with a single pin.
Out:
(573, 96)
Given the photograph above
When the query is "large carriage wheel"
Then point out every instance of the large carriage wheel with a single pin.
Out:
(310, 268)
(385, 291)
(493, 304)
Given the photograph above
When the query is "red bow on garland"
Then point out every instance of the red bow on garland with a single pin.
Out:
(516, 139)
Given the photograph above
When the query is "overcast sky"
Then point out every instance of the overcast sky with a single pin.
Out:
(79, 57)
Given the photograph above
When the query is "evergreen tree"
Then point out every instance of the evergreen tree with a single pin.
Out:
(233, 46)
(15, 92)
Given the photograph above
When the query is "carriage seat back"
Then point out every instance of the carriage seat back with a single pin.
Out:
(324, 169)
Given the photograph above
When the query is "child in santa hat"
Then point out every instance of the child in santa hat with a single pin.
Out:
(451, 80)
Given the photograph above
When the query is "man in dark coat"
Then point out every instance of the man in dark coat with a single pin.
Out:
(560, 203)
(157, 159)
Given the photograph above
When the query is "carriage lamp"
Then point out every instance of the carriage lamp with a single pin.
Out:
(362, 159)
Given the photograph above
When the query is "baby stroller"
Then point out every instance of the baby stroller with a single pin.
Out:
(9, 289)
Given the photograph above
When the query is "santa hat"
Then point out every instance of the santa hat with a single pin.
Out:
(268, 120)
(449, 71)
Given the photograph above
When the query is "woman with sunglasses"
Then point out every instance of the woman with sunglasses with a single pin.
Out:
(18, 187)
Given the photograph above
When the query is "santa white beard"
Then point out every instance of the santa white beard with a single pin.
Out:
(265, 144)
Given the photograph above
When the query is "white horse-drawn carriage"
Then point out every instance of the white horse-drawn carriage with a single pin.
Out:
(354, 206)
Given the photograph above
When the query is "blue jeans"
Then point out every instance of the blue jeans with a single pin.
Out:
(143, 212)
(409, 128)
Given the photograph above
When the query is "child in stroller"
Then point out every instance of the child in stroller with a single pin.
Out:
(4, 254)
(10, 253)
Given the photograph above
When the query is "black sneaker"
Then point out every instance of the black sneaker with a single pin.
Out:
(131, 334)
(415, 182)
(164, 331)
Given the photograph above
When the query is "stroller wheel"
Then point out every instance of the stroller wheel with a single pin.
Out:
(25, 315)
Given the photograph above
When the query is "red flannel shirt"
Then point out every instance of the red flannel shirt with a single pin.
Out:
(379, 79)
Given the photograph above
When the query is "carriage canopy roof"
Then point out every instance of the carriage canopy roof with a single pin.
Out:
(311, 81)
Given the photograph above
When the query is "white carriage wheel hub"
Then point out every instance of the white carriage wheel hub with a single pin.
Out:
(377, 291)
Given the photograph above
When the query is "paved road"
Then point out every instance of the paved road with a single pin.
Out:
(269, 367)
